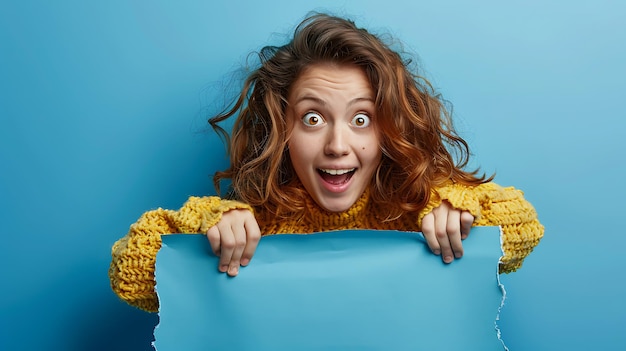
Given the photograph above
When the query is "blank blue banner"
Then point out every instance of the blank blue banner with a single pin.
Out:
(344, 290)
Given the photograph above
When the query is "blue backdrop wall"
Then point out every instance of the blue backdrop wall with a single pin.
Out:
(103, 109)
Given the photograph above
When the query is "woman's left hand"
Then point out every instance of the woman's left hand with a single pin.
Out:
(444, 228)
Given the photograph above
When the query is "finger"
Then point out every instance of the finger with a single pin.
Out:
(213, 234)
(227, 243)
(239, 234)
(253, 235)
(428, 229)
(467, 220)
(453, 227)
(441, 231)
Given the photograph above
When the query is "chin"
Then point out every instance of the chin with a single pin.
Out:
(336, 206)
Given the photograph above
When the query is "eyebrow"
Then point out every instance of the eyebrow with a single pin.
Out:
(323, 102)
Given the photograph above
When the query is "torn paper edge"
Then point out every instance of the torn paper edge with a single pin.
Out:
(154, 331)
(502, 289)
(156, 291)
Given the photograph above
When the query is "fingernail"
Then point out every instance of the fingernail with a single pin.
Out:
(436, 252)
(447, 259)
(245, 261)
(233, 270)
(458, 254)
(223, 268)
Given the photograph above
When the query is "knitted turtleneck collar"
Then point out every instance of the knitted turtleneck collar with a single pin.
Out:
(351, 218)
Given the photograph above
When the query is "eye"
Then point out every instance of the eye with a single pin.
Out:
(312, 119)
(361, 120)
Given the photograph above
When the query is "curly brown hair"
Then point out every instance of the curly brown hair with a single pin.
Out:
(420, 146)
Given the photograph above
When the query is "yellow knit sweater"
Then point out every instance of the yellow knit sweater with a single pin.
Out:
(133, 257)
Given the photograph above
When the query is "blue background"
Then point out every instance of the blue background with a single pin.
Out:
(103, 110)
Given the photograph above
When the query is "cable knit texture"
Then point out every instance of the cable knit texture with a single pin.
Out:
(133, 256)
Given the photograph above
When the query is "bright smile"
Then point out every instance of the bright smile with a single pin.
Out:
(336, 180)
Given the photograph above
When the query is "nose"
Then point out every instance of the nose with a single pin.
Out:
(337, 141)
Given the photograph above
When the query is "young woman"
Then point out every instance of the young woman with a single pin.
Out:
(333, 131)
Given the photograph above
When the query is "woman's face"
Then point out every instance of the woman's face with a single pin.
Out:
(334, 144)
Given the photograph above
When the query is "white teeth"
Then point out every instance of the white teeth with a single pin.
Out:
(337, 171)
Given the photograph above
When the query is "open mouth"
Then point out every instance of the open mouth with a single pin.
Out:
(336, 176)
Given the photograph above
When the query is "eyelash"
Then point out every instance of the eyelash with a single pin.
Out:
(306, 117)
(367, 120)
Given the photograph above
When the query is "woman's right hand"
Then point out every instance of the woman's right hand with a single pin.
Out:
(234, 239)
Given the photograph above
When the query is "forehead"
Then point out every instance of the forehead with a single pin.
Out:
(331, 78)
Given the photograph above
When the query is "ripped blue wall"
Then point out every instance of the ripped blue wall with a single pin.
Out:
(103, 110)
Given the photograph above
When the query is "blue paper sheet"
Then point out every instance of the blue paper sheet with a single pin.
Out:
(344, 290)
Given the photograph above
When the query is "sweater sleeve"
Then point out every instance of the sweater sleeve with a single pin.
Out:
(133, 257)
(493, 205)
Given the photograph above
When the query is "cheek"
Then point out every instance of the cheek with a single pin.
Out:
(303, 145)
(377, 156)
(298, 153)
(370, 155)
(372, 151)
